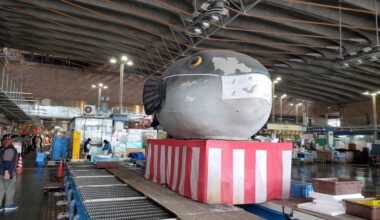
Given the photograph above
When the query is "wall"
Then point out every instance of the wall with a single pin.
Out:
(63, 84)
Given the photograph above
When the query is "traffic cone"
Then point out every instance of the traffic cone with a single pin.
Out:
(60, 170)
(19, 165)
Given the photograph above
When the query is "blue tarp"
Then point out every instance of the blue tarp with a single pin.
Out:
(59, 148)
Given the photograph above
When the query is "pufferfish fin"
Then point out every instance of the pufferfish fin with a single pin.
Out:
(154, 94)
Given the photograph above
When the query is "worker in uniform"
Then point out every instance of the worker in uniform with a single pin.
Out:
(8, 162)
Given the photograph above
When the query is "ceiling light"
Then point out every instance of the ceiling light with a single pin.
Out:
(297, 60)
(299, 104)
(373, 94)
(346, 65)
(275, 81)
(365, 93)
(105, 87)
(100, 84)
(93, 86)
(367, 49)
(314, 54)
(130, 63)
(205, 24)
(283, 96)
(214, 18)
(278, 78)
(197, 31)
(333, 47)
(124, 58)
(378, 92)
(358, 40)
(291, 104)
(359, 61)
(274, 96)
(113, 60)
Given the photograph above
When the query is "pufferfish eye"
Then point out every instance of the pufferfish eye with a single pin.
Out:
(196, 61)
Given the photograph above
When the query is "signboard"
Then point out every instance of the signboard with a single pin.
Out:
(284, 127)
(76, 145)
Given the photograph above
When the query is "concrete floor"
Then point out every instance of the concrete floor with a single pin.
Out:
(33, 203)
(370, 175)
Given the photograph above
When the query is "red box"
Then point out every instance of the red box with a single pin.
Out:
(228, 172)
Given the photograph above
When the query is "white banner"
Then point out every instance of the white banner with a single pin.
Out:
(247, 86)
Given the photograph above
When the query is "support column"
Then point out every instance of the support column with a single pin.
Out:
(121, 85)
(374, 117)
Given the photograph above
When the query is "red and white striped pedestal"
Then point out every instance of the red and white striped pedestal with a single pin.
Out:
(213, 171)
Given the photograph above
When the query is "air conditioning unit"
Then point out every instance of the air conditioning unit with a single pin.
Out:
(89, 110)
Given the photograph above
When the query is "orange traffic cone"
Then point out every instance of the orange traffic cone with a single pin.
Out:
(60, 170)
(19, 165)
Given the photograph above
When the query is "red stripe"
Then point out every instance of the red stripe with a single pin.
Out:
(186, 187)
(226, 188)
(202, 177)
(151, 162)
(172, 168)
(249, 175)
(274, 174)
(179, 170)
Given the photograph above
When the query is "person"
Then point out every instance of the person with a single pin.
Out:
(39, 143)
(86, 147)
(107, 148)
(8, 164)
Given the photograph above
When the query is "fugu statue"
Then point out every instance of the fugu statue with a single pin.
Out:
(214, 94)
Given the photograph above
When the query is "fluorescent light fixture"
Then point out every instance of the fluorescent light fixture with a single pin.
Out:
(124, 58)
(299, 104)
(358, 40)
(100, 84)
(105, 87)
(297, 60)
(275, 82)
(378, 92)
(346, 65)
(283, 96)
(314, 54)
(365, 93)
(214, 18)
(333, 47)
(278, 79)
(113, 60)
(373, 58)
(373, 94)
(274, 96)
(93, 86)
(197, 30)
(291, 104)
(129, 63)
(359, 61)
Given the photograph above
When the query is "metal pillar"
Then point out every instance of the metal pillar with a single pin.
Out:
(273, 104)
(374, 117)
(99, 95)
(296, 114)
(280, 110)
(121, 85)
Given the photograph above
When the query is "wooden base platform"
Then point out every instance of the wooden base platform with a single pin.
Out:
(182, 207)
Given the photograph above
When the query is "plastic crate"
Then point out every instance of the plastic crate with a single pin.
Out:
(357, 208)
(337, 186)
(300, 189)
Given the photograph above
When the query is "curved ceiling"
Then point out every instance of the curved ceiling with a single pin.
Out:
(296, 39)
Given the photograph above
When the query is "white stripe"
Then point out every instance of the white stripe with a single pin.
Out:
(175, 175)
(194, 173)
(183, 171)
(147, 170)
(169, 167)
(238, 176)
(162, 165)
(214, 176)
(286, 172)
(195, 74)
(261, 176)
(155, 164)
